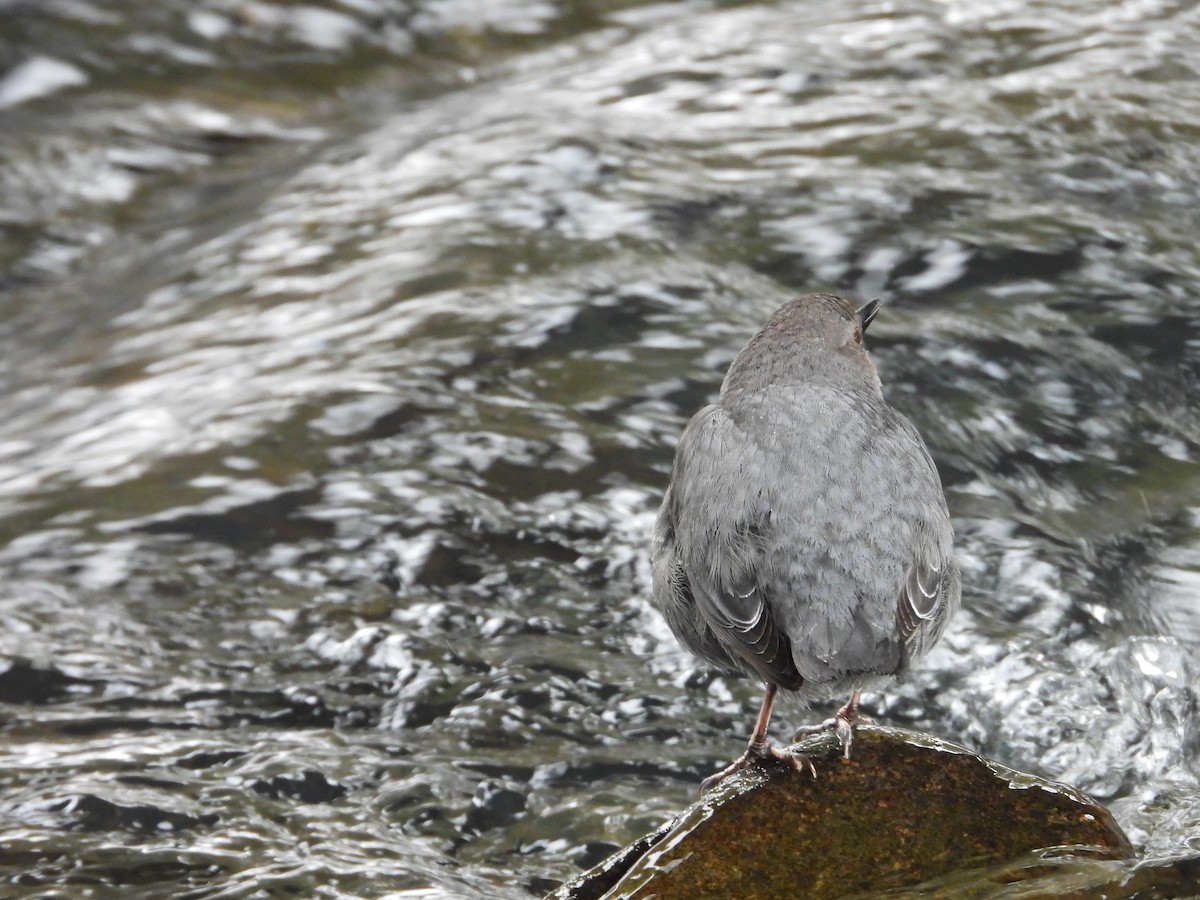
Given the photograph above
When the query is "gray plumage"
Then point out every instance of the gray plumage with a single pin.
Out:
(804, 539)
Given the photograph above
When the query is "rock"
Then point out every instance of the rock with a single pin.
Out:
(908, 809)
(308, 787)
(25, 683)
(89, 812)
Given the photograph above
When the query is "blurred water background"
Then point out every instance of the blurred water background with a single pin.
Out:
(343, 350)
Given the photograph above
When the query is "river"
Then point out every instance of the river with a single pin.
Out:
(343, 351)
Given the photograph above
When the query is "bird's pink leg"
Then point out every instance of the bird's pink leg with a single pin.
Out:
(760, 747)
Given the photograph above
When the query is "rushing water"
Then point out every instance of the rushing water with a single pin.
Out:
(343, 349)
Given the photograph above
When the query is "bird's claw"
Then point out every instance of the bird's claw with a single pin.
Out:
(767, 753)
(842, 723)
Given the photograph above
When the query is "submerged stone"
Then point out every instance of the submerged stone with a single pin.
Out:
(906, 810)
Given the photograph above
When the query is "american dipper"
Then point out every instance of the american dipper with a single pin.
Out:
(804, 538)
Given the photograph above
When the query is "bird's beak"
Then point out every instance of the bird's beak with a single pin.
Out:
(867, 314)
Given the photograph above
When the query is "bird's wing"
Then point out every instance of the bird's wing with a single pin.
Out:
(931, 587)
(722, 520)
(928, 597)
(919, 596)
(745, 625)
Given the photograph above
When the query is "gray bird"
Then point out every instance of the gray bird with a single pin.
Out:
(804, 538)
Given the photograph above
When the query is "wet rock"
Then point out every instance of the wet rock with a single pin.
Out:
(493, 806)
(91, 813)
(446, 565)
(906, 810)
(23, 682)
(308, 787)
(253, 515)
(204, 759)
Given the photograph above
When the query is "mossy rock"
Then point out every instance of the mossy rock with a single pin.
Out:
(907, 809)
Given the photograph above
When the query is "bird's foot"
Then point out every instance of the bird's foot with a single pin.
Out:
(842, 723)
(766, 752)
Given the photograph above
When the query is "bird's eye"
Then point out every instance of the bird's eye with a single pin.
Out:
(858, 335)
